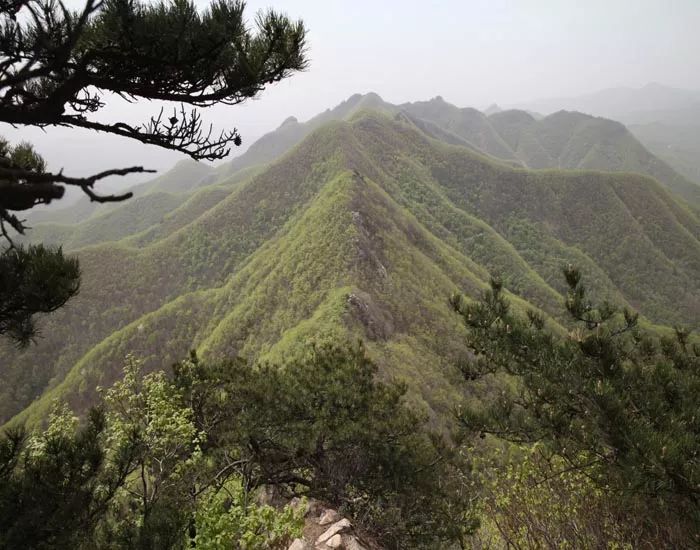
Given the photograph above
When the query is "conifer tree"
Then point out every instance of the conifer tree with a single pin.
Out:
(607, 393)
(59, 68)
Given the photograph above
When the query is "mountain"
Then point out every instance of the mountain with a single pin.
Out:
(562, 140)
(364, 228)
(291, 131)
(665, 120)
(569, 140)
(624, 104)
(677, 144)
(85, 223)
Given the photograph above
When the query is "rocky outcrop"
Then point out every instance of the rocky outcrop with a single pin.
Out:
(326, 529)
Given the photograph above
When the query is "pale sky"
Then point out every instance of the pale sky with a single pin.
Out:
(471, 52)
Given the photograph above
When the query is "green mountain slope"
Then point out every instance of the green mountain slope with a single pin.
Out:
(569, 140)
(666, 120)
(273, 145)
(469, 124)
(677, 144)
(362, 230)
(578, 141)
(561, 140)
(564, 139)
(138, 214)
(185, 177)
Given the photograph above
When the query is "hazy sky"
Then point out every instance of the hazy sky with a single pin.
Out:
(471, 52)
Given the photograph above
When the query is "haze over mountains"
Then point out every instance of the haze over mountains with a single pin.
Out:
(666, 120)
(589, 142)
(626, 104)
(362, 222)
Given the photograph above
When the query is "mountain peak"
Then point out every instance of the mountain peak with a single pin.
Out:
(289, 121)
(513, 116)
(372, 95)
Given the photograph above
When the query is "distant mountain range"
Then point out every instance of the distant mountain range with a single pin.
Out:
(360, 223)
(628, 105)
(666, 120)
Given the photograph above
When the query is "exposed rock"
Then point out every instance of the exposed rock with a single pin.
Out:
(337, 527)
(315, 509)
(300, 544)
(325, 529)
(336, 541)
(377, 322)
(329, 516)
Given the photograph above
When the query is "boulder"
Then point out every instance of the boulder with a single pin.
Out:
(329, 516)
(336, 541)
(300, 544)
(337, 527)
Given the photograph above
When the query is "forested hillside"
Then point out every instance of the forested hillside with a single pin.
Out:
(665, 120)
(563, 140)
(364, 229)
(678, 144)
(405, 325)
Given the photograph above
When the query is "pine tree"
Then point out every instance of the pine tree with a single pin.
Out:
(33, 280)
(607, 393)
(59, 67)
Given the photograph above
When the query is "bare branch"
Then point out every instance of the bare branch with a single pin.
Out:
(33, 177)
(54, 63)
(22, 189)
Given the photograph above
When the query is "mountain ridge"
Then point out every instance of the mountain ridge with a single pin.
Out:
(515, 136)
(441, 214)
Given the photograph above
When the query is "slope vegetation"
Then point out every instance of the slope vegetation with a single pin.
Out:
(362, 230)
(567, 140)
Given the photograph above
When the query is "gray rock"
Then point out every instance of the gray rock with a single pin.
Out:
(337, 527)
(300, 544)
(336, 541)
(329, 516)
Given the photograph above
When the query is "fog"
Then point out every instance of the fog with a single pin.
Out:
(473, 53)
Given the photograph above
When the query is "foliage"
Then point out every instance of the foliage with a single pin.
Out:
(175, 464)
(33, 280)
(333, 433)
(132, 476)
(607, 394)
(226, 521)
(532, 499)
(57, 64)
(149, 411)
(56, 486)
